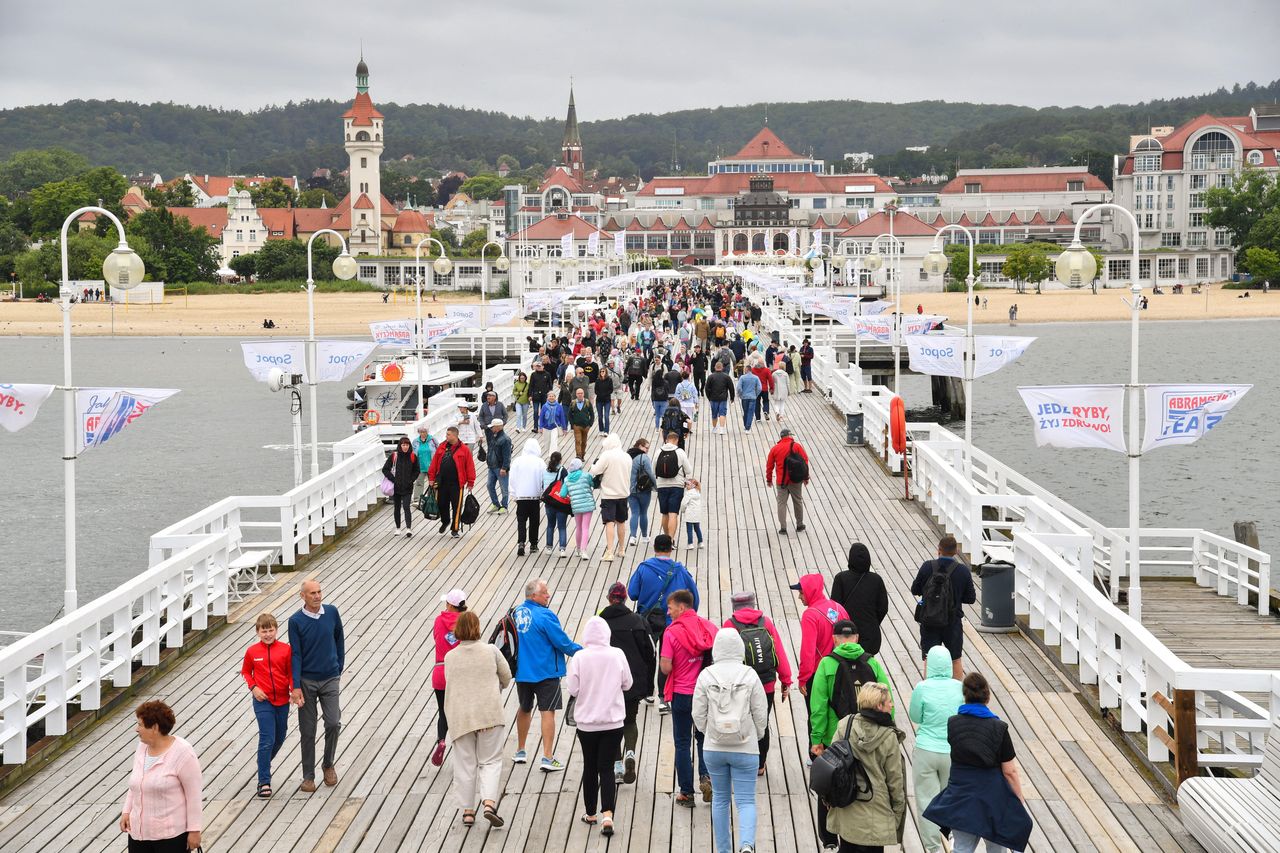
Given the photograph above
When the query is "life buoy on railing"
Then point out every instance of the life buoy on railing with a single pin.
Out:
(898, 425)
(371, 418)
(392, 372)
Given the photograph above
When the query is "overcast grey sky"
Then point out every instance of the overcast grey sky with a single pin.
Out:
(626, 58)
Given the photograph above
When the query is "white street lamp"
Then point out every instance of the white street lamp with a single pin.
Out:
(503, 265)
(344, 268)
(122, 269)
(936, 263)
(441, 266)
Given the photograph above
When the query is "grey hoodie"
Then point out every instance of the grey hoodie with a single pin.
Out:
(729, 672)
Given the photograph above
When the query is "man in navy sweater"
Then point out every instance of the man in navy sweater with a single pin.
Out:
(319, 653)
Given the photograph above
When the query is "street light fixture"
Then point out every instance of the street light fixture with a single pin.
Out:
(936, 263)
(503, 265)
(440, 266)
(345, 269)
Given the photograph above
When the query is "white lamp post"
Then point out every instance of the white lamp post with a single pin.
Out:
(503, 265)
(1077, 264)
(122, 269)
(935, 263)
(875, 261)
(344, 268)
(441, 266)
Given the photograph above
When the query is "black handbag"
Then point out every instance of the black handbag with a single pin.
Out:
(470, 510)
(481, 455)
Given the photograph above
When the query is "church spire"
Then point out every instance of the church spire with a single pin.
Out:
(571, 148)
(362, 75)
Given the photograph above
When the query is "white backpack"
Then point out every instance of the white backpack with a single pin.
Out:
(729, 712)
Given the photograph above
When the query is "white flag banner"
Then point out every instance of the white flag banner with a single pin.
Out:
(566, 245)
(918, 324)
(619, 244)
(19, 404)
(503, 311)
(840, 310)
(393, 333)
(335, 360)
(261, 356)
(434, 330)
(103, 412)
(593, 244)
(936, 355)
(1181, 414)
(468, 314)
(1077, 415)
(793, 240)
(863, 213)
(878, 328)
(994, 352)
(879, 306)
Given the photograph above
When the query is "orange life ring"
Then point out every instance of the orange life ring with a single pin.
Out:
(392, 372)
(371, 418)
(898, 425)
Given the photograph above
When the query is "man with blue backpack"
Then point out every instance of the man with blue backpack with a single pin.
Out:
(650, 585)
(942, 587)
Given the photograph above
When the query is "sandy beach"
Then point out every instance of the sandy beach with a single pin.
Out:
(241, 315)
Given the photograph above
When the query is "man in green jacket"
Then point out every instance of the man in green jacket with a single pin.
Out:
(581, 417)
(823, 717)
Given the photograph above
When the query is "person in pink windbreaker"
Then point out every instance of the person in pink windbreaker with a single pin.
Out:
(162, 811)
(454, 603)
(817, 628)
(597, 678)
(748, 618)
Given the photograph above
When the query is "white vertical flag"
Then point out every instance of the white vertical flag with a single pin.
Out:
(593, 244)
(1077, 415)
(566, 245)
(793, 240)
(1181, 414)
(103, 412)
(19, 404)
(619, 244)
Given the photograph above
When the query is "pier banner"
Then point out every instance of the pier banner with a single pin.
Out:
(468, 314)
(593, 244)
(261, 356)
(619, 244)
(1180, 414)
(19, 404)
(393, 333)
(1077, 415)
(994, 352)
(880, 327)
(335, 360)
(435, 329)
(503, 311)
(102, 412)
(566, 245)
(936, 355)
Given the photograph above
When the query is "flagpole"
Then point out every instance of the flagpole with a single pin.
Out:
(344, 267)
(970, 353)
(421, 339)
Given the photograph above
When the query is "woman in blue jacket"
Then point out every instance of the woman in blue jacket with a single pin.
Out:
(552, 417)
(582, 502)
(638, 501)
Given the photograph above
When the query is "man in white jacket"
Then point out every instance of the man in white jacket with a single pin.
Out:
(525, 483)
(729, 707)
(614, 469)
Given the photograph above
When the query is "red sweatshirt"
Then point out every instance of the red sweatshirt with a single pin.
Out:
(445, 643)
(817, 625)
(751, 616)
(271, 669)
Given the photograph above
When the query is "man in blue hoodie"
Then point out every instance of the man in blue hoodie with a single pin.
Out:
(650, 587)
(319, 656)
(539, 668)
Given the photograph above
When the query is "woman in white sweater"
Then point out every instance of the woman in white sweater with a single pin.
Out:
(597, 678)
(729, 707)
(475, 675)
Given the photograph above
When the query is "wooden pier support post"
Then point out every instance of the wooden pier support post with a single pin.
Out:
(1186, 752)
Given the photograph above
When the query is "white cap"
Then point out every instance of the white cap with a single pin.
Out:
(456, 597)
(496, 422)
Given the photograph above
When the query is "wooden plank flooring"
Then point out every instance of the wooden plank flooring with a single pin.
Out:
(1083, 793)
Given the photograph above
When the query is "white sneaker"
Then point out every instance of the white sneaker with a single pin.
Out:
(632, 541)
(563, 553)
(408, 534)
(582, 555)
(702, 546)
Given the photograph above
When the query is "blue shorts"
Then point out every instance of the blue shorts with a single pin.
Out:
(719, 409)
(669, 498)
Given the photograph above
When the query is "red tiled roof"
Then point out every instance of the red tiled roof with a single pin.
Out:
(1240, 126)
(1063, 219)
(658, 225)
(217, 186)
(1038, 219)
(1012, 220)
(612, 225)
(682, 225)
(363, 203)
(309, 220)
(904, 225)
(362, 111)
(634, 225)
(278, 219)
(843, 222)
(793, 183)
(553, 228)
(705, 224)
(965, 221)
(1024, 182)
(819, 223)
(557, 176)
(988, 222)
(764, 144)
(411, 222)
(211, 219)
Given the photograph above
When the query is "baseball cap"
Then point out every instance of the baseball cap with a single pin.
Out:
(746, 598)
(844, 626)
(617, 593)
(496, 422)
(456, 597)
(786, 433)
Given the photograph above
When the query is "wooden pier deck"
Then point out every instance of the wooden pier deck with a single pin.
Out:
(1083, 792)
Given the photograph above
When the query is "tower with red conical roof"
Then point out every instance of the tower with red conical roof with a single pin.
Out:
(571, 148)
(362, 138)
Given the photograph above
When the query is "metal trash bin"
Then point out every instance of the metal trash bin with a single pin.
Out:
(853, 429)
(997, 597)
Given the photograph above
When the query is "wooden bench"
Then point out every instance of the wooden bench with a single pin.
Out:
(1233, 815)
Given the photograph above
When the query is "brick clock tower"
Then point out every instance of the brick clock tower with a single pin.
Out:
(362, 138)
(571, 148)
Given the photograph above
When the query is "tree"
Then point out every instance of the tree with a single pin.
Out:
(1240, 206)
(446, 236)
(106, 187)
(173, 194)
(272, 193)
(245, 266)
(286, 260)
(85, 253)
(173, 249)
(51, 204)
(26, 170)
(1028, 263)
(396, 184)
(1264, 264)
(510, 162)
(317, 197)
(446, 188)
(483, 187)
(12, 244)
(1265, 233)
(473, 242)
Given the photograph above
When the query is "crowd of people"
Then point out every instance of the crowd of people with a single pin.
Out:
(651, 645)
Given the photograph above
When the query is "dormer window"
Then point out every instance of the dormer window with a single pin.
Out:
(1255, 158)
(973, 188)
(1075, 186)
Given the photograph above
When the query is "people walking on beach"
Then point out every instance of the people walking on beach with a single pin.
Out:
(551, 418)
(942, 586)
(674, 420)
(673, 470)
(983, 798)
(526, 488)
(539, 668)
(788, 463)
(643, 482)
(520, 391)
(319, 656)
(425, 447)
(863, 595)
(598, 679)
(685, 641)
(498, 464)
(452, 471)
(934, 701)
(491, 410)
(764, 654)
(650, 586)
(765, 375)
(452, 604)
(557, 512)
(476, 673)
(401, 468)
(729, 706)
(806, 365)
(614, 469)
(162, 809)
(780, 389)
(659, 394)
(816, 628)
(720, 394)
(268, 670)
(540, 384)
(870, 823)
(629, 632)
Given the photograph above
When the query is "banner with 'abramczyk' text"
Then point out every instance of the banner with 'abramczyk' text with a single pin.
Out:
(1180, 414)
(102, 412)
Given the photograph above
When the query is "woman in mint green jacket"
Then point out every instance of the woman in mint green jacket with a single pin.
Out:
(933, 702)
(582, 502)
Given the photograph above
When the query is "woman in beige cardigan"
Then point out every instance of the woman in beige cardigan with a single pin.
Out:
(475, 675)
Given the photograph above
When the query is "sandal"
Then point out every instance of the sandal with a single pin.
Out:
(264, 792)
(491, 815)
(469, 818)
(588, 819)
(606, 827)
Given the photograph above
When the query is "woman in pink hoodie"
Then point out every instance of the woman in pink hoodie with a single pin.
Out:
(597, 678)
(454, 603)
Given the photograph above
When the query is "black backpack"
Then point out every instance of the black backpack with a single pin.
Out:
(668, 465)
(470, 510)
(797, 468)
(635, 366)
(658, 388)
(760, 655)
(837, 775)
(849, 677)
(507, 639)
(938, 601)
(673, 421)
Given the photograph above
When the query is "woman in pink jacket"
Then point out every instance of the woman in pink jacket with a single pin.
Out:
(597, 677)
(162, 811)
(454, 603)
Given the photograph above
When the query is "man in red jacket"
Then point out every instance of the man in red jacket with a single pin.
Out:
(749, 622)
(452, 470)
(787, 487)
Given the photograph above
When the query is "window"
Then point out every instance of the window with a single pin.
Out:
(795, 203)
(581, 201)
(364, 162)
(1118, 269)
(1196, 220)
(533, 201)
(1213, 150)
(658, 242)
(1151, 182)
(1202, 267)
(1168, 202)
(1199, 182)
(1075, 186)
(368, 271)
(469, 270)
(668, 202)
(1195, 200)
(1169, 184)
(408, 241)
(989, 237)
(1221, 238)
(1184, 267)
(1168, 267)
(1137, 202)
(239, 235)
(635, 242)
(1255, 158)
(1170, 239)
(1146, 163)
(706, 204)
(859, 201)
(235, 253)
(973, 189)
(253, 235)
(704, 240)
(819, 204)
(924, 274)
(1150, 220)
(1224, 180)
(1168, 220)
(1144, 269)
(1151, 202)
(681, 241)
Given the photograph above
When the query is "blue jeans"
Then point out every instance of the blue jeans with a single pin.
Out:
(748, 412)
(522, 414)
(557, 520)
(659, 409)
(733, 774)
(692, 528)
(638, 503)
(273, 722)
(966, 843)
(603, 408)
(495, 480)
(683, 732)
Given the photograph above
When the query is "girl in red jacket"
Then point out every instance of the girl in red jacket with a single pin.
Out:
(268, 670)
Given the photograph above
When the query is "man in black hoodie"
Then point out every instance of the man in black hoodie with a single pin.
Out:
(629, 632)
(862, 594)
(540, 382)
